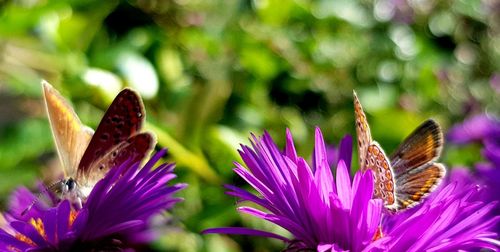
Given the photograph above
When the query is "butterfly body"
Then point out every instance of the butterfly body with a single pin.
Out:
(69, 189)
(411, 173)
(87, 156)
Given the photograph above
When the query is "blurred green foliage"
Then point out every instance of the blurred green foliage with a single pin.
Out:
(211, 72)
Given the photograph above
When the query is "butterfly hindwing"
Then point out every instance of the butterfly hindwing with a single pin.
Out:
(422, 146)
(414, 186)
(384, 186)
(362, 131)
(122, 120)
(70, 135)
(133, 150)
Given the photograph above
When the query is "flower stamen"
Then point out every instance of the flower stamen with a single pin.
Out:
(24, 239)
(11, 248)
(38, 225)
(72, 216)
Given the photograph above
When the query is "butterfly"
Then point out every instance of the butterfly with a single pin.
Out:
(411, 173)
(87, 156)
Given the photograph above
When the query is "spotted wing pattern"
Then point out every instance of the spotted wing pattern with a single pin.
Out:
(378, 162)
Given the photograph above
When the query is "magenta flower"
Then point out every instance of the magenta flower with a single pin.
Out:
(486, 131)
(453, 218)
(115, 217)
(477, 128)
(463, 213)
(321, 213)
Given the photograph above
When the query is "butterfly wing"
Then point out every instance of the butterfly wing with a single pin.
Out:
(422, 146)
(133, 150)
(377, 161)
(411, 174)
(70, 135)
(122, 120)
(416, 184)
(372, 156)
(413, 163)
(362, 131)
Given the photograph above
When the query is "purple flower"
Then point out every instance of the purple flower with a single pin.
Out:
(332, 155)
(324, 214)
(453, 218)
(116, 215)
(321, 213)
(486, 130)
(489, 177)
(477, 128)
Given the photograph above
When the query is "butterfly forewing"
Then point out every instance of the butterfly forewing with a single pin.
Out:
(70, 135)
(413, 164)
(362, 131)
(122, 120)
(414, 186)
(422, 146)
(384, 187)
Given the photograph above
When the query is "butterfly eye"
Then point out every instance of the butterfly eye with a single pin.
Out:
(71, 184)
(101, 166)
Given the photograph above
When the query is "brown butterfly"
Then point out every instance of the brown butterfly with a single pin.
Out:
(87, 156)
(412, 173)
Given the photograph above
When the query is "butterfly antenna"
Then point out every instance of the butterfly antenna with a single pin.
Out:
(39, 194)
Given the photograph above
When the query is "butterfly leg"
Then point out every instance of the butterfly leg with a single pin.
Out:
(79, 202)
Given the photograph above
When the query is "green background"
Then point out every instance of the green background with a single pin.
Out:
(211, 72)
